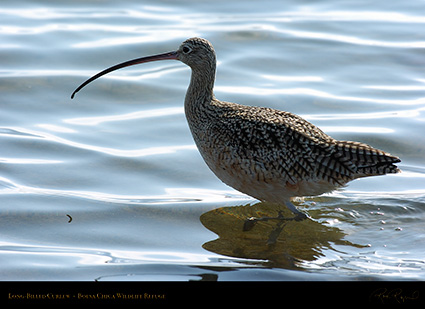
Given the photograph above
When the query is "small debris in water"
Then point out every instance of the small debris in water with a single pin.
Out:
(398, 229)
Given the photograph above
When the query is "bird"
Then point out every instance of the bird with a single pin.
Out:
(271, 155)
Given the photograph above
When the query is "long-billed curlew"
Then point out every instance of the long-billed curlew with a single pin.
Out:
(268, 154)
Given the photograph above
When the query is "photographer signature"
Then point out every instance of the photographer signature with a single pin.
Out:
(393, 295)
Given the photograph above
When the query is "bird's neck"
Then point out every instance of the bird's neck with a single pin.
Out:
(200, 92)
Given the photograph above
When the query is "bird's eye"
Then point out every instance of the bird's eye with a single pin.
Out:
(187, 50)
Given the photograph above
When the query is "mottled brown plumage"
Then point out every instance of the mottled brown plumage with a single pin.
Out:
(268, 154)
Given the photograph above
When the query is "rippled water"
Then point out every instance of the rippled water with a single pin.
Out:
(109, 186)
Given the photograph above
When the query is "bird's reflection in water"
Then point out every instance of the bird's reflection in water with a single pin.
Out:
(278, 243)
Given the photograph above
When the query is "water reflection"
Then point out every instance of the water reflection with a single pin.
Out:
(283, 244)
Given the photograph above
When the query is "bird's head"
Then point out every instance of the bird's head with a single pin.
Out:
(197, 53)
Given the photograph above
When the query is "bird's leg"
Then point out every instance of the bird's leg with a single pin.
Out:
(250, 222)
(299, 216)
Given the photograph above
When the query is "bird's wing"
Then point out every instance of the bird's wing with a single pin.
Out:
(286, 144)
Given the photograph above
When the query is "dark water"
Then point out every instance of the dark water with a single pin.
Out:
(109, 186)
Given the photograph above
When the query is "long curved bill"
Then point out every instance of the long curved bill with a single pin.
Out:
(166, 56)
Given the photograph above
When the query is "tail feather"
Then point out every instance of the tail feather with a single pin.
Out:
(368, 161)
